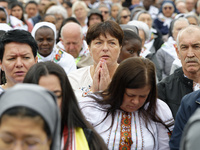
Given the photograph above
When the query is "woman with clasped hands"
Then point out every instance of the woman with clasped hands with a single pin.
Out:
(104, 41)
(128, 115)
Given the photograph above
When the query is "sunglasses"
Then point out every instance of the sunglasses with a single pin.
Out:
(105, 12)
(165, 8)
(125, 17)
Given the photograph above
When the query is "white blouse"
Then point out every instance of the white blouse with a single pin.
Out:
(141, 137)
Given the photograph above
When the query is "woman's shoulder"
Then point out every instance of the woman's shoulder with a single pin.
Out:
(90, 102)
(92, 111)
(84, 70)
(163, 110)
(80, 75)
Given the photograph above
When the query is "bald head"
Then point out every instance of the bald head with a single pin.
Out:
(71, 28)
(72, 38)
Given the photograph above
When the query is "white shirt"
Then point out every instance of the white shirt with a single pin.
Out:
(139, 132)
(81, 82)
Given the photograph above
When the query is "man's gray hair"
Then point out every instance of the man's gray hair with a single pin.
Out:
(190, 29)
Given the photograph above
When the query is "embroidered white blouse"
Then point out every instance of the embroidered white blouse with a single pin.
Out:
(141, 137)
(81, 82)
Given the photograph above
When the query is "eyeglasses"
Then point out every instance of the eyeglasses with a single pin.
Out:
(105, 12)
(165, 8)
(124, 17)
(8, 142)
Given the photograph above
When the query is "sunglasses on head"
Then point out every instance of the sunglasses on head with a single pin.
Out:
(165, 8)
(125, 16)
(105, 12)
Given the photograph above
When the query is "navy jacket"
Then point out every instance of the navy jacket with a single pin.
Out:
(189, 104)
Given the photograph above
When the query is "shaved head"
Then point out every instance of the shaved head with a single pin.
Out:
(72, 38)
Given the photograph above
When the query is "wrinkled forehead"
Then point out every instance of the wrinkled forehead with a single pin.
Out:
(190, 37)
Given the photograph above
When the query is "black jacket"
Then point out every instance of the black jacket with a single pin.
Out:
(173, 88)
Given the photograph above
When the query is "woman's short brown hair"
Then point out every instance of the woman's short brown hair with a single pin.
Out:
(103, 28)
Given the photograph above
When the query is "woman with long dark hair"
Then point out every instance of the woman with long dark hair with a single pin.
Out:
(75, 129)
(128, 114)
(17, 10)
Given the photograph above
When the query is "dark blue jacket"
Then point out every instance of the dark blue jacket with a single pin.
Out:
(189, 104)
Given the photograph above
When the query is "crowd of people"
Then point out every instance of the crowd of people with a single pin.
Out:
(99, 74)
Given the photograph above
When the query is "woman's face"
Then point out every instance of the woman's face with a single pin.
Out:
(114, 11)
(130, 49)
(168, 10)
(45, 40)
(105, 13)
(52, 83)
(17, 12)
(134, 99)
(125, 17)
(23, 133)
(80, 12)
(106, 48)
(17, 59)
(146, 18)
(3, 17)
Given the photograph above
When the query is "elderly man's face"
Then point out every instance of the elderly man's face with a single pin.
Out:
(73, 43)
(189, 51)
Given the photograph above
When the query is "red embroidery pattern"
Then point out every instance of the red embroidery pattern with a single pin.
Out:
(125, 132)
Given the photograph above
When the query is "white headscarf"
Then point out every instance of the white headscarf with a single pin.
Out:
(7, 16)
(41, 24)
(53, 27)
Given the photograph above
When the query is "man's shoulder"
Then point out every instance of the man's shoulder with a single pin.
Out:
(192, 98)
(176, 83)
(62, 56)
(176, 76)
